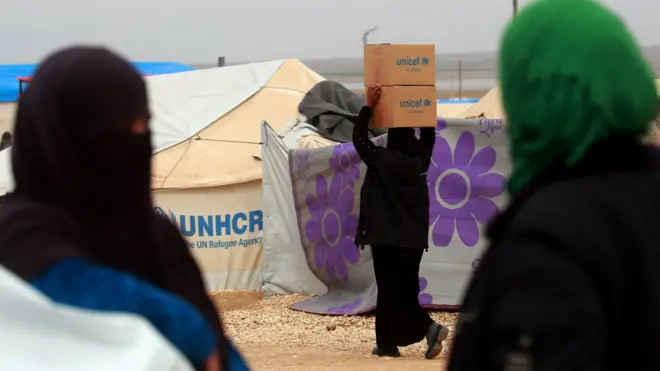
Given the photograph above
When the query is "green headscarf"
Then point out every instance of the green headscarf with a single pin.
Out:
(571, 75)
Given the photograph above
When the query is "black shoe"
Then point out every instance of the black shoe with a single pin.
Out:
(386, 352)
(434, 337)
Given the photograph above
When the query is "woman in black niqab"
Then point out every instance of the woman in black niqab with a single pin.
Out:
(75, 149)
(81, 159)
(394, 221)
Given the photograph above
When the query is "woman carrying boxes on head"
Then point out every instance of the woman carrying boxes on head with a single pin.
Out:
(394, 220)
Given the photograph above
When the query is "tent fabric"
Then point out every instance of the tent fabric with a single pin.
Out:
(7, 111)
(185, 104)
(454, 109)
(221, 153)
(300, 134)
(39, 335)
(6, 176)
(490, 107)
(314, 140)
(211, 183)
(206, 123)
(223, 227)
(318, 177)
(10, 72)
(285, 268)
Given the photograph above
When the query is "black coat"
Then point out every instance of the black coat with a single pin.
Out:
(571, 280)
(394, 200)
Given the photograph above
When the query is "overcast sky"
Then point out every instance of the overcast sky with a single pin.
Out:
(197, 31)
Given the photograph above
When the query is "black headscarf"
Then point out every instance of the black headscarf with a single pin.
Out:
(73, 150)
(83, 179)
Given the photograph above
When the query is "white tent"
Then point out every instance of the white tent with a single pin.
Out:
(450, 110)
(206, 129)
(489, 106)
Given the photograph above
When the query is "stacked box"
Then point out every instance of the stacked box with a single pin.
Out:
(406, 73)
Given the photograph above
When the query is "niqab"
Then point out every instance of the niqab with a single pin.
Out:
(404, 141)
(73, 150)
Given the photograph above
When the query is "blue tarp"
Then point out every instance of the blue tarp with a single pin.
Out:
(457, 101)
(9, 73)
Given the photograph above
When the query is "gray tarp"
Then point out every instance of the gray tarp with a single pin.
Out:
(330, 107)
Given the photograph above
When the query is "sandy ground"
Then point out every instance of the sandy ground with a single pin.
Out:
(275, 338)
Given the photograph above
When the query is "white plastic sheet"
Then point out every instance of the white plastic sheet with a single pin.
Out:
(39, 335)
(6, 175)
(285, 268)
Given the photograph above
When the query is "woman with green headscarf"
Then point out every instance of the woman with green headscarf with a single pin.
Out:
(571, 279)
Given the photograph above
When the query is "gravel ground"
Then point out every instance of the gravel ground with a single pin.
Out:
(276, 338)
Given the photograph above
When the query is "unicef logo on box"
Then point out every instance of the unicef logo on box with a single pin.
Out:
(413, 64)
(427, 102)
(411, 103)
(417, 61)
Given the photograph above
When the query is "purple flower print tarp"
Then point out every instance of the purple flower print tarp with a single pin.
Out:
(466, 189)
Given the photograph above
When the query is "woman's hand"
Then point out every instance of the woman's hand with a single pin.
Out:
(373, 94)
(212, 363)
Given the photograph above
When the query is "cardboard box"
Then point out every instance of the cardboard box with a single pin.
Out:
(399, 64)
(405, 106)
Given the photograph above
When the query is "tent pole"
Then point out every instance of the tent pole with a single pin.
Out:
(460, 79)
(515, 7)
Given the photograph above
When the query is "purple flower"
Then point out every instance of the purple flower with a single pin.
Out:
(346, 162)
(460, 188)
(441, 124)
(348, 308)
(332, 227)
(424, 298)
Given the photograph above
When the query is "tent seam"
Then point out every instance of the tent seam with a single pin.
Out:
(231, 110)
(176, 164)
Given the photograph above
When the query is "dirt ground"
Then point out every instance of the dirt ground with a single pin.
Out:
(309, 359)
(275, 338)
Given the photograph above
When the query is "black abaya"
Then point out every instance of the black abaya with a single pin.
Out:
(400, 319)
(394, 219)
(394, 199)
